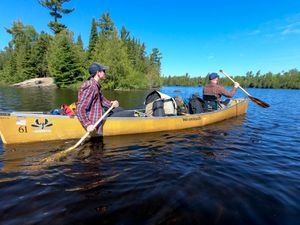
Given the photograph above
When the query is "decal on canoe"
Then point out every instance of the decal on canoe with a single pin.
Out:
(192, 118)
(42, 126)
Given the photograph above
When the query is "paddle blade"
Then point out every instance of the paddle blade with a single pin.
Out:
(259, 102)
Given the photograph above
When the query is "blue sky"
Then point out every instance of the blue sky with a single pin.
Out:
(194, 36)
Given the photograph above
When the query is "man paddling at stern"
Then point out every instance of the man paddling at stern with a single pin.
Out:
(91, 100)
(213, 88)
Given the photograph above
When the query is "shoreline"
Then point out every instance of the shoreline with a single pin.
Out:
(36, 82)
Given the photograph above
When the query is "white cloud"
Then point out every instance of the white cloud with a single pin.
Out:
(280, 27)
(290, 31)
(292, 25)
(287, 26)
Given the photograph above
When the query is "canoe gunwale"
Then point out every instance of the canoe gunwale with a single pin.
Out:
(45, 114)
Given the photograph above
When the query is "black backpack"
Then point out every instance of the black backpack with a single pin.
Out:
(211, 102)
(196, 104)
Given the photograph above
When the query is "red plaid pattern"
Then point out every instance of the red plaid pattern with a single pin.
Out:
(90, 104)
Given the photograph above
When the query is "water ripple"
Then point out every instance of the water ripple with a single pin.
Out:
(241, 171)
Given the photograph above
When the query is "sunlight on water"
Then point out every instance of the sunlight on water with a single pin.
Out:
(243, 170)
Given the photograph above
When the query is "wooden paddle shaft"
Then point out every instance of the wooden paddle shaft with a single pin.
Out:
(59, 155)
(94, 126)
(234, 81)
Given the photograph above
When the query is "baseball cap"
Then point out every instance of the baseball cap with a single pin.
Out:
(213, 76)
(95, 67)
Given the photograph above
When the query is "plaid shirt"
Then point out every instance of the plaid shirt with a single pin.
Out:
(218, 91)
(90, 104)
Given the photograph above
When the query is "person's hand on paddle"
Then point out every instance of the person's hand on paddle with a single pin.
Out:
(236, 85)
(115, 103)
(90, 128)
(256, 100)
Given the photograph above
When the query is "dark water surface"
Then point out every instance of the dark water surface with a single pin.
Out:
(245, 170)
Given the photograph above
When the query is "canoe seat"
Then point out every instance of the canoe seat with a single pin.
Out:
(210, 103)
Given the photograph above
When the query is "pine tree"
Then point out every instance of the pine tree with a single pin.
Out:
(55, 6)
(106, 25)
(63, 60)
(125, 35)
(93, 39)
(9, 66)
(153, 74)
(82, 56)
(21, 64)
(79, 43)
(111, 51)
(39, 54)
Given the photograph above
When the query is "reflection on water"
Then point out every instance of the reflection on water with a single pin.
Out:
(47, 99)
(240, 171)
(17, 157)
(23, 99)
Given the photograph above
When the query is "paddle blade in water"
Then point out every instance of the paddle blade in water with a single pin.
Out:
(58, 156)
(259, 102)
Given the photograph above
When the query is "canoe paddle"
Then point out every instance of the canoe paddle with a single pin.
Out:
(64, 152)
(256, 100)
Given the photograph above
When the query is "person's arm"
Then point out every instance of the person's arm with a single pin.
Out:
(108, 103)
(105, 102)
(85, 99)
(228, 94)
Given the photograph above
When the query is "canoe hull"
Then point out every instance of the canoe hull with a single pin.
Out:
(22, 127)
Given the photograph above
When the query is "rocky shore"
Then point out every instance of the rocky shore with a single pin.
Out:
(37, 82)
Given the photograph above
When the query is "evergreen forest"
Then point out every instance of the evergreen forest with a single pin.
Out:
(283, 80)
(30, 54)
(60, 55)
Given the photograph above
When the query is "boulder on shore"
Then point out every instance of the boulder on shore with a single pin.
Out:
(37, 82)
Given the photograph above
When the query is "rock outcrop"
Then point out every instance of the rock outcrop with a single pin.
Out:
(37, 82)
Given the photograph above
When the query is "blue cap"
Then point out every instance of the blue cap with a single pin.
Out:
(213, 76)
(95, 67)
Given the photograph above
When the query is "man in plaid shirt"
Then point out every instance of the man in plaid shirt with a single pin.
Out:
(91, 100)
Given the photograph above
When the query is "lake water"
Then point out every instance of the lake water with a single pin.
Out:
(245, 170)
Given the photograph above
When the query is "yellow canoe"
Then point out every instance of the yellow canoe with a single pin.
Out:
(28, 127)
